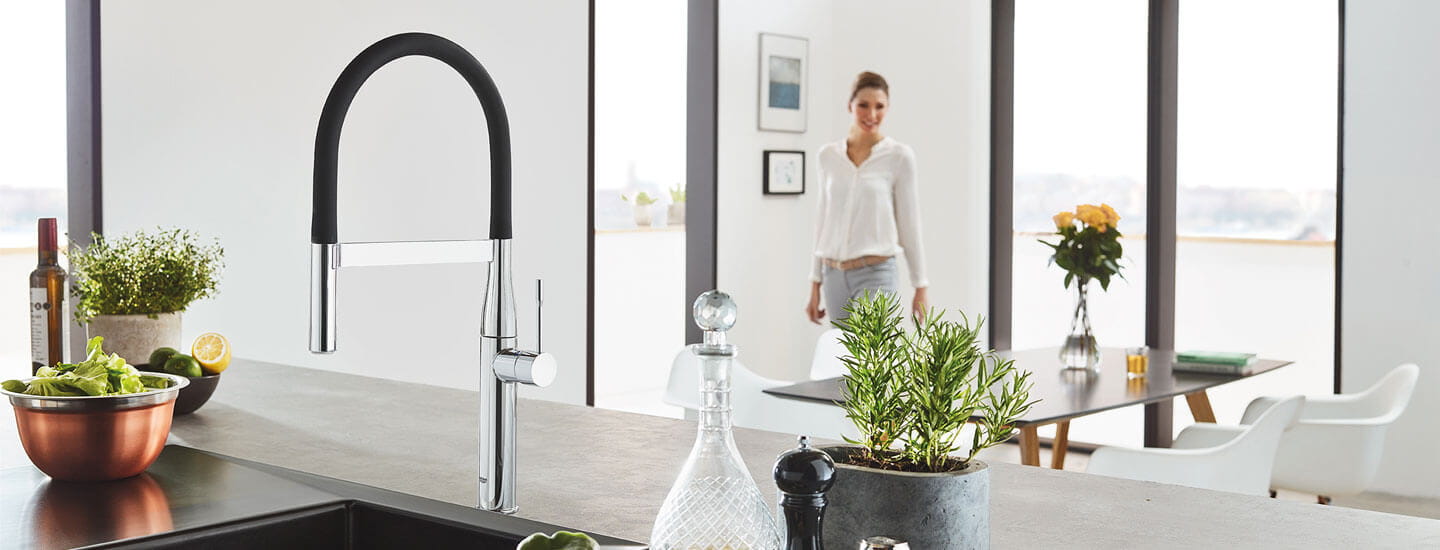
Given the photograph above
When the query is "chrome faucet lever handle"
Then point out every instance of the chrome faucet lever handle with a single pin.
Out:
(539, 312)
(526, 367)
(536, 368)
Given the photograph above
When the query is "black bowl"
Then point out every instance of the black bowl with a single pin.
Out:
(192, 396)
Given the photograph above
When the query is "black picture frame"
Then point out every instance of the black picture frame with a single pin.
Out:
(790, 160)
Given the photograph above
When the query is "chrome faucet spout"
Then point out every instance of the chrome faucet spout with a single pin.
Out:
(498, 333)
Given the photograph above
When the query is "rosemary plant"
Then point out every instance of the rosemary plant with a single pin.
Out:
(143, 273)
(874, 388)
(911, 395)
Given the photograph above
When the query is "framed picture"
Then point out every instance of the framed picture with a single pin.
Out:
(784, 70)
(784, 172)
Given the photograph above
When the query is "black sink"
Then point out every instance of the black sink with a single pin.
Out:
(350, 525)
(198, 500)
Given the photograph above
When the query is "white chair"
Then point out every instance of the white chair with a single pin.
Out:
(828, 351)
(682, 389)
(1335, 446)
(752, 408)
(1209, 456)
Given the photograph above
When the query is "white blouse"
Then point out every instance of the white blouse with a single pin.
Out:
(869, 210)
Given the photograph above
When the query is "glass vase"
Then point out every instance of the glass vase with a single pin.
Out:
(1080, 350)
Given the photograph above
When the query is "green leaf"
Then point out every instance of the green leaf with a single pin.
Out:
(561, 540)
(52, 387)
(142, 273)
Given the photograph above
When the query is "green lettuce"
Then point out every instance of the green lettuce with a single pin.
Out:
(154, 382)
(54, 386)
(561, 540)
(90, 377)
(99, 374)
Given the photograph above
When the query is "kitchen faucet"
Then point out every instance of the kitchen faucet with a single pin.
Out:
(501, 365)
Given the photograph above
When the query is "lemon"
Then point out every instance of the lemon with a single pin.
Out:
(212, 351)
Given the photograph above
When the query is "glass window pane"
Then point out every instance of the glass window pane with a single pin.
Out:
(640, 49)
(1255, 258)
(32, 160)
(1080, 107)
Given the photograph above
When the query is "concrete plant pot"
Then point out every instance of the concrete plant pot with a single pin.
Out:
(948, 510)
(133, 337)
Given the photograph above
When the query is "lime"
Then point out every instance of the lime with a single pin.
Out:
(183, 365)
(160, 356)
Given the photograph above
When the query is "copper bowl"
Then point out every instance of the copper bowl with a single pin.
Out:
(95, 438)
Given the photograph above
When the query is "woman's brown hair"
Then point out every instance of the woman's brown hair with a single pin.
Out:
(867, 79)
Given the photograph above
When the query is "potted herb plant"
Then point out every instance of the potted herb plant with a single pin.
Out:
(1089, 249)
(133, 288)
(911, 396)
(642, 203)
(676, 213)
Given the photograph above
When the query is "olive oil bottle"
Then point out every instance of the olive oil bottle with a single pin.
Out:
(47, 302)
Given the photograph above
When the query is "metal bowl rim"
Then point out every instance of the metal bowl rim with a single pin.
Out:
(99, 402)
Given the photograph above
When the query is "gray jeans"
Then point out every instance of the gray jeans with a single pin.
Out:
(840, 286)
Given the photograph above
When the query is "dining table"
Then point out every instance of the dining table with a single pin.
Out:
(1063, 394)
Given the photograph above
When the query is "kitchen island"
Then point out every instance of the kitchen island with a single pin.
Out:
(608, 472)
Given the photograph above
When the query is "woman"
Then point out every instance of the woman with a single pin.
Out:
(869, 210)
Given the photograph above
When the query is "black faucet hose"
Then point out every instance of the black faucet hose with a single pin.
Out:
(332, 118)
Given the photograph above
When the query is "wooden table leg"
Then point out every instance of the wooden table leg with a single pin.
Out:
(1200, 406)
(1061, 444)
(1029, 445)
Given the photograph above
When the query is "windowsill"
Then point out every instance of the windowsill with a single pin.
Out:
(1204, 239)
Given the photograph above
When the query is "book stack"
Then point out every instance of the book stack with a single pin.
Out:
(1214, 362)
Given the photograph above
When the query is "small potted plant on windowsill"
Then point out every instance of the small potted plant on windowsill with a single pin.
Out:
(642, 203)
(911, 397)
(133, 288)
(676, 213)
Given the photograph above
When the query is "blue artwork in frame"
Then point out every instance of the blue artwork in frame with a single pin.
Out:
(784, 69)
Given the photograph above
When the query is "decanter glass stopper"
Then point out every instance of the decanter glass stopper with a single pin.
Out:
(715, 313)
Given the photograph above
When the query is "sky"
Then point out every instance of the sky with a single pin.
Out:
(1257, 91)
(32, 94)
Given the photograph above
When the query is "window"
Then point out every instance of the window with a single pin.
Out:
(639, 258)
(1255, 181)
(1255, 254)
(32, 160)
(1080, 85)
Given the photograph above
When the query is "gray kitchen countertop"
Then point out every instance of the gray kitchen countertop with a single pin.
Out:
(608, 472)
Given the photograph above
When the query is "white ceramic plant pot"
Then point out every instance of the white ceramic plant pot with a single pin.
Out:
(642, 216)
(133, 337)
(676, 214)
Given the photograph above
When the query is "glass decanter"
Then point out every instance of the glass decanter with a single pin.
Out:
(714, 504)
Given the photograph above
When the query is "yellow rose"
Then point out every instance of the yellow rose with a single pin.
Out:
(1111, 216)
(1063, 220)
(1091, 215)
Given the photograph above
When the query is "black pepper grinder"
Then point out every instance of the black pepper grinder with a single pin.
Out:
(804, 474)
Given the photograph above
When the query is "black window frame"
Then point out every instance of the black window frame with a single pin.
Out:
(1161, 189)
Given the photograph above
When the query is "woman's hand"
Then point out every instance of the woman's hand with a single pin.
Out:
(919, 305)
(813, 310)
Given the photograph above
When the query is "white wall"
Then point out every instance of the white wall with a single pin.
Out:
(210, 112)
(1391, 268)
(935, 54)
